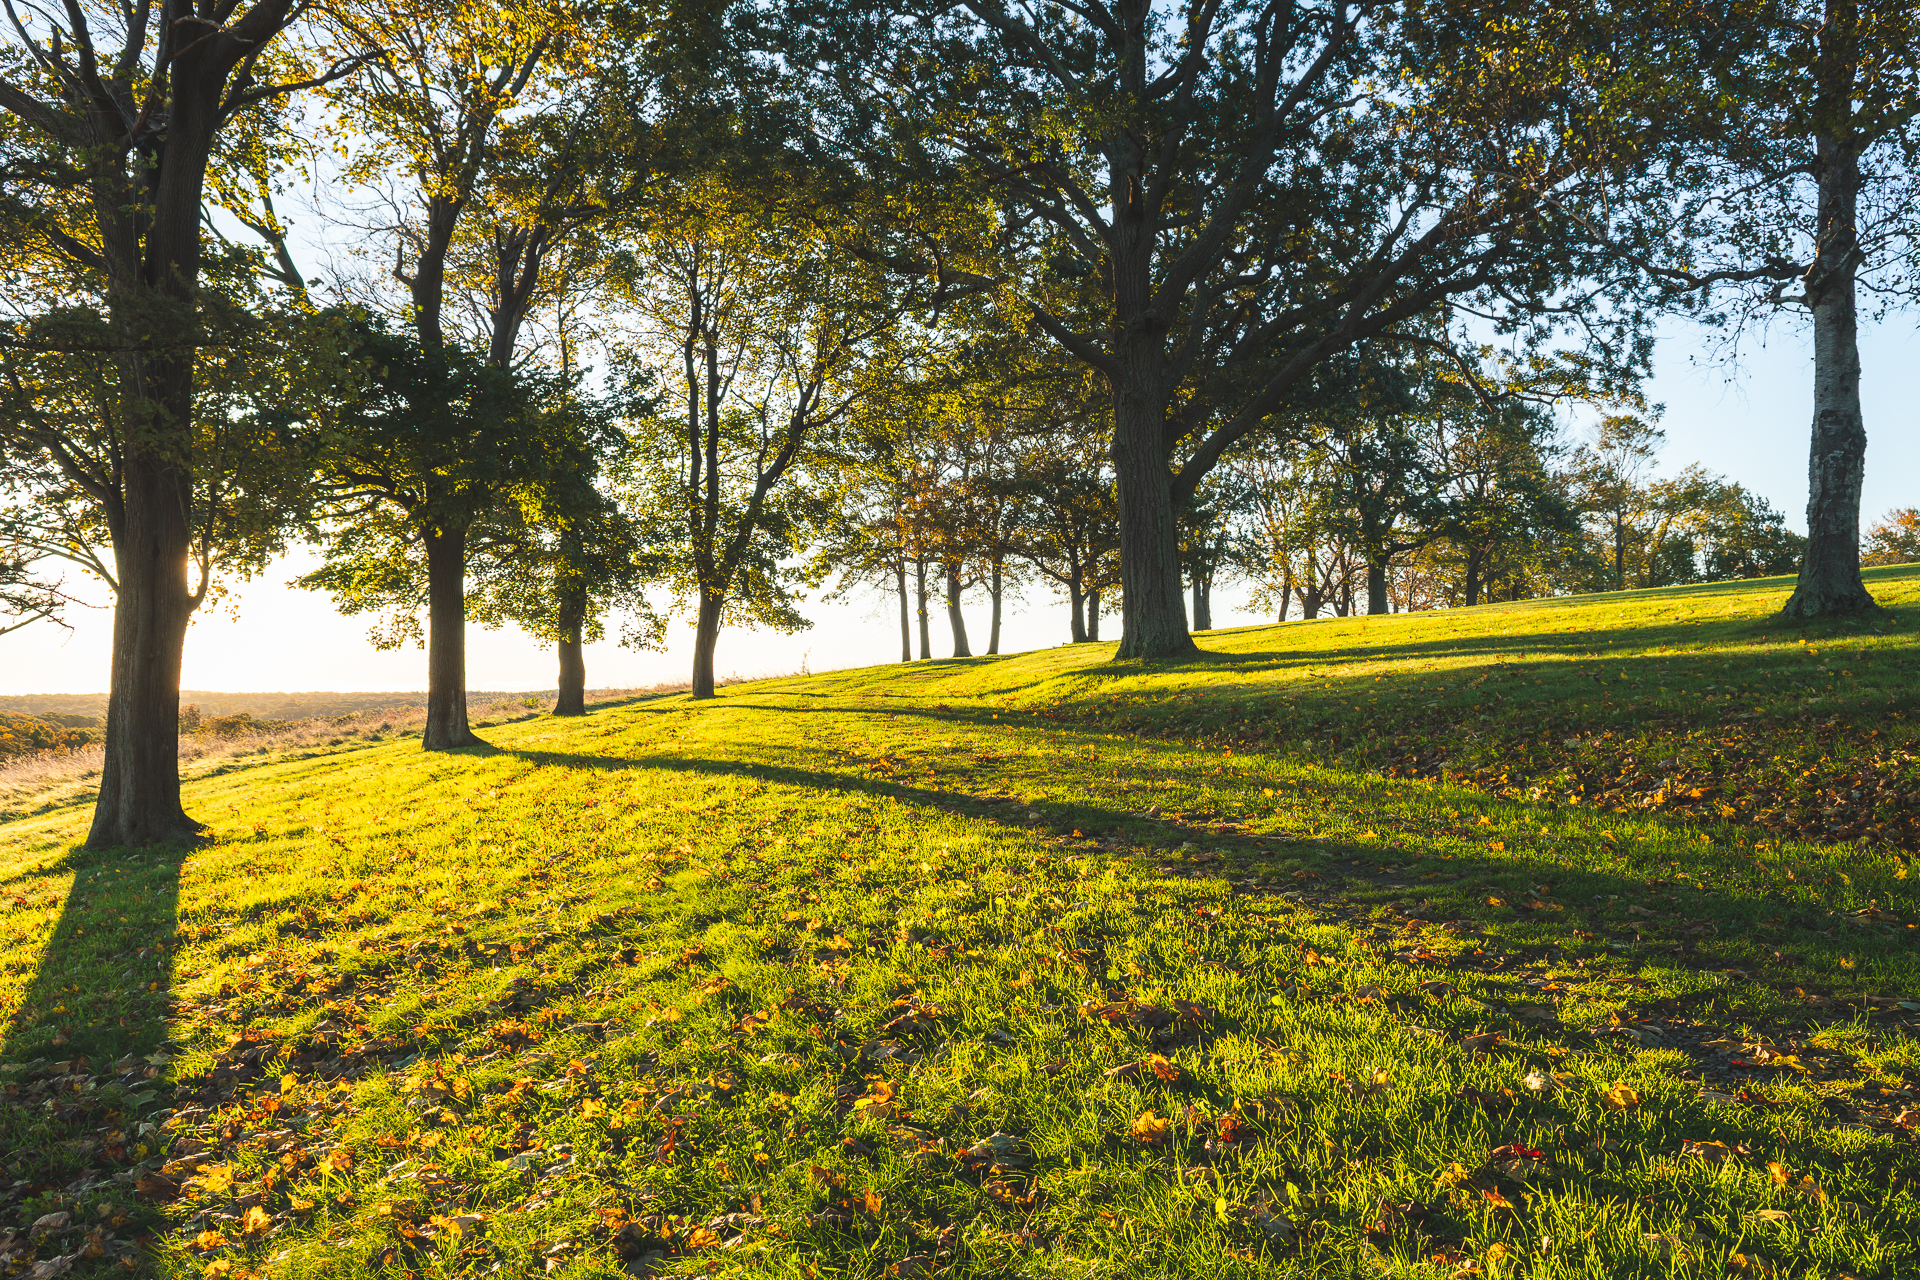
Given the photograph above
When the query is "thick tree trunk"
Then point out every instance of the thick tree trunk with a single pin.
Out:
(954, 617)
(920, 595)
(446, 642)
(572, 700)
(1093, 613)
(138, 804)
(706, 638)
(1830, 584)
(139, 799)
(906, 626)
(1473, 578)
(995, 588)
(1378, 600)
(1153, 617)
(1076, 603)
(1202, 604)
(1286, 593)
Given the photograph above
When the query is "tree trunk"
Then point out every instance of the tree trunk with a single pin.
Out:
(1830, 584)
(995, 589)
(920, 591)
(1286, 593)
(139, 799)
(1377, 599)
(906, 626)
(1619, 552)
(1202, 604)
(446, 642)
(1076, 602)
(706, 638)
(572, 699)
(1093, 613)
(138, 804)
(1153, 617)
(954, 618)
(1474, 564)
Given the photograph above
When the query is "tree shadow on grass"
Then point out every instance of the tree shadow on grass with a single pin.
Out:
(1747, 931)
(102, 987)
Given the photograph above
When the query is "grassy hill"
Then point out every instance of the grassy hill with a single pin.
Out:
(1568, 938)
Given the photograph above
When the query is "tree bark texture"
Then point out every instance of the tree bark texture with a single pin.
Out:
(1378, 600)
(706, 638)
(906, 625)
(572, 699)
(996, 588)
(1076, 602)
(954, 617)
(1830, 584)
(920, 593)
(1153, 617)
(139, 800)
(1093, 611)
(446, 641)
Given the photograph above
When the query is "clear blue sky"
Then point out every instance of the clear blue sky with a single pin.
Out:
(1749, 423)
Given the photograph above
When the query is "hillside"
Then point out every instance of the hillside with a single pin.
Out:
(1568, 938)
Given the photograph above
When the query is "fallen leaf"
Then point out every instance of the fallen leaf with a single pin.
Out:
(1149, 1128)
(1619, 1098)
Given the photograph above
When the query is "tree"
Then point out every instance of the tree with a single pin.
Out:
(107, 144)
(1203, 202)
(437, 443)
(563, 556)
(1788, 184)
(471, 125)
(1740, 535)
(771, 332)
(1068, 526)
(1895, 537)
(1612, 472)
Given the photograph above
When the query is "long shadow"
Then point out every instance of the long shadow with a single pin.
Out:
(104, 980)
(1748, 926)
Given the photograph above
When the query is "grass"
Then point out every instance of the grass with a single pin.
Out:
(1038, 966)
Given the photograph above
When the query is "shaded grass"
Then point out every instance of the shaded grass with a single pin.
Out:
(856, 974)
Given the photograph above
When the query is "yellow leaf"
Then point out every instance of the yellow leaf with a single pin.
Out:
(289, 1082)
(1149, 1128)
(592, 1107)
(871, 1199)
(217, 1179)
(340, 1161)
(1619, 1098)
(255, 1221)
(880, 1093)
(1496, 844)
(208, 1240)
(1163, 1068)
(1779, 1171)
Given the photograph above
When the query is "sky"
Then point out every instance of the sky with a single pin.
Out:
(1749, 423)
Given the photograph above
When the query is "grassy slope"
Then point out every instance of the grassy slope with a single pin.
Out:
(861, 974)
